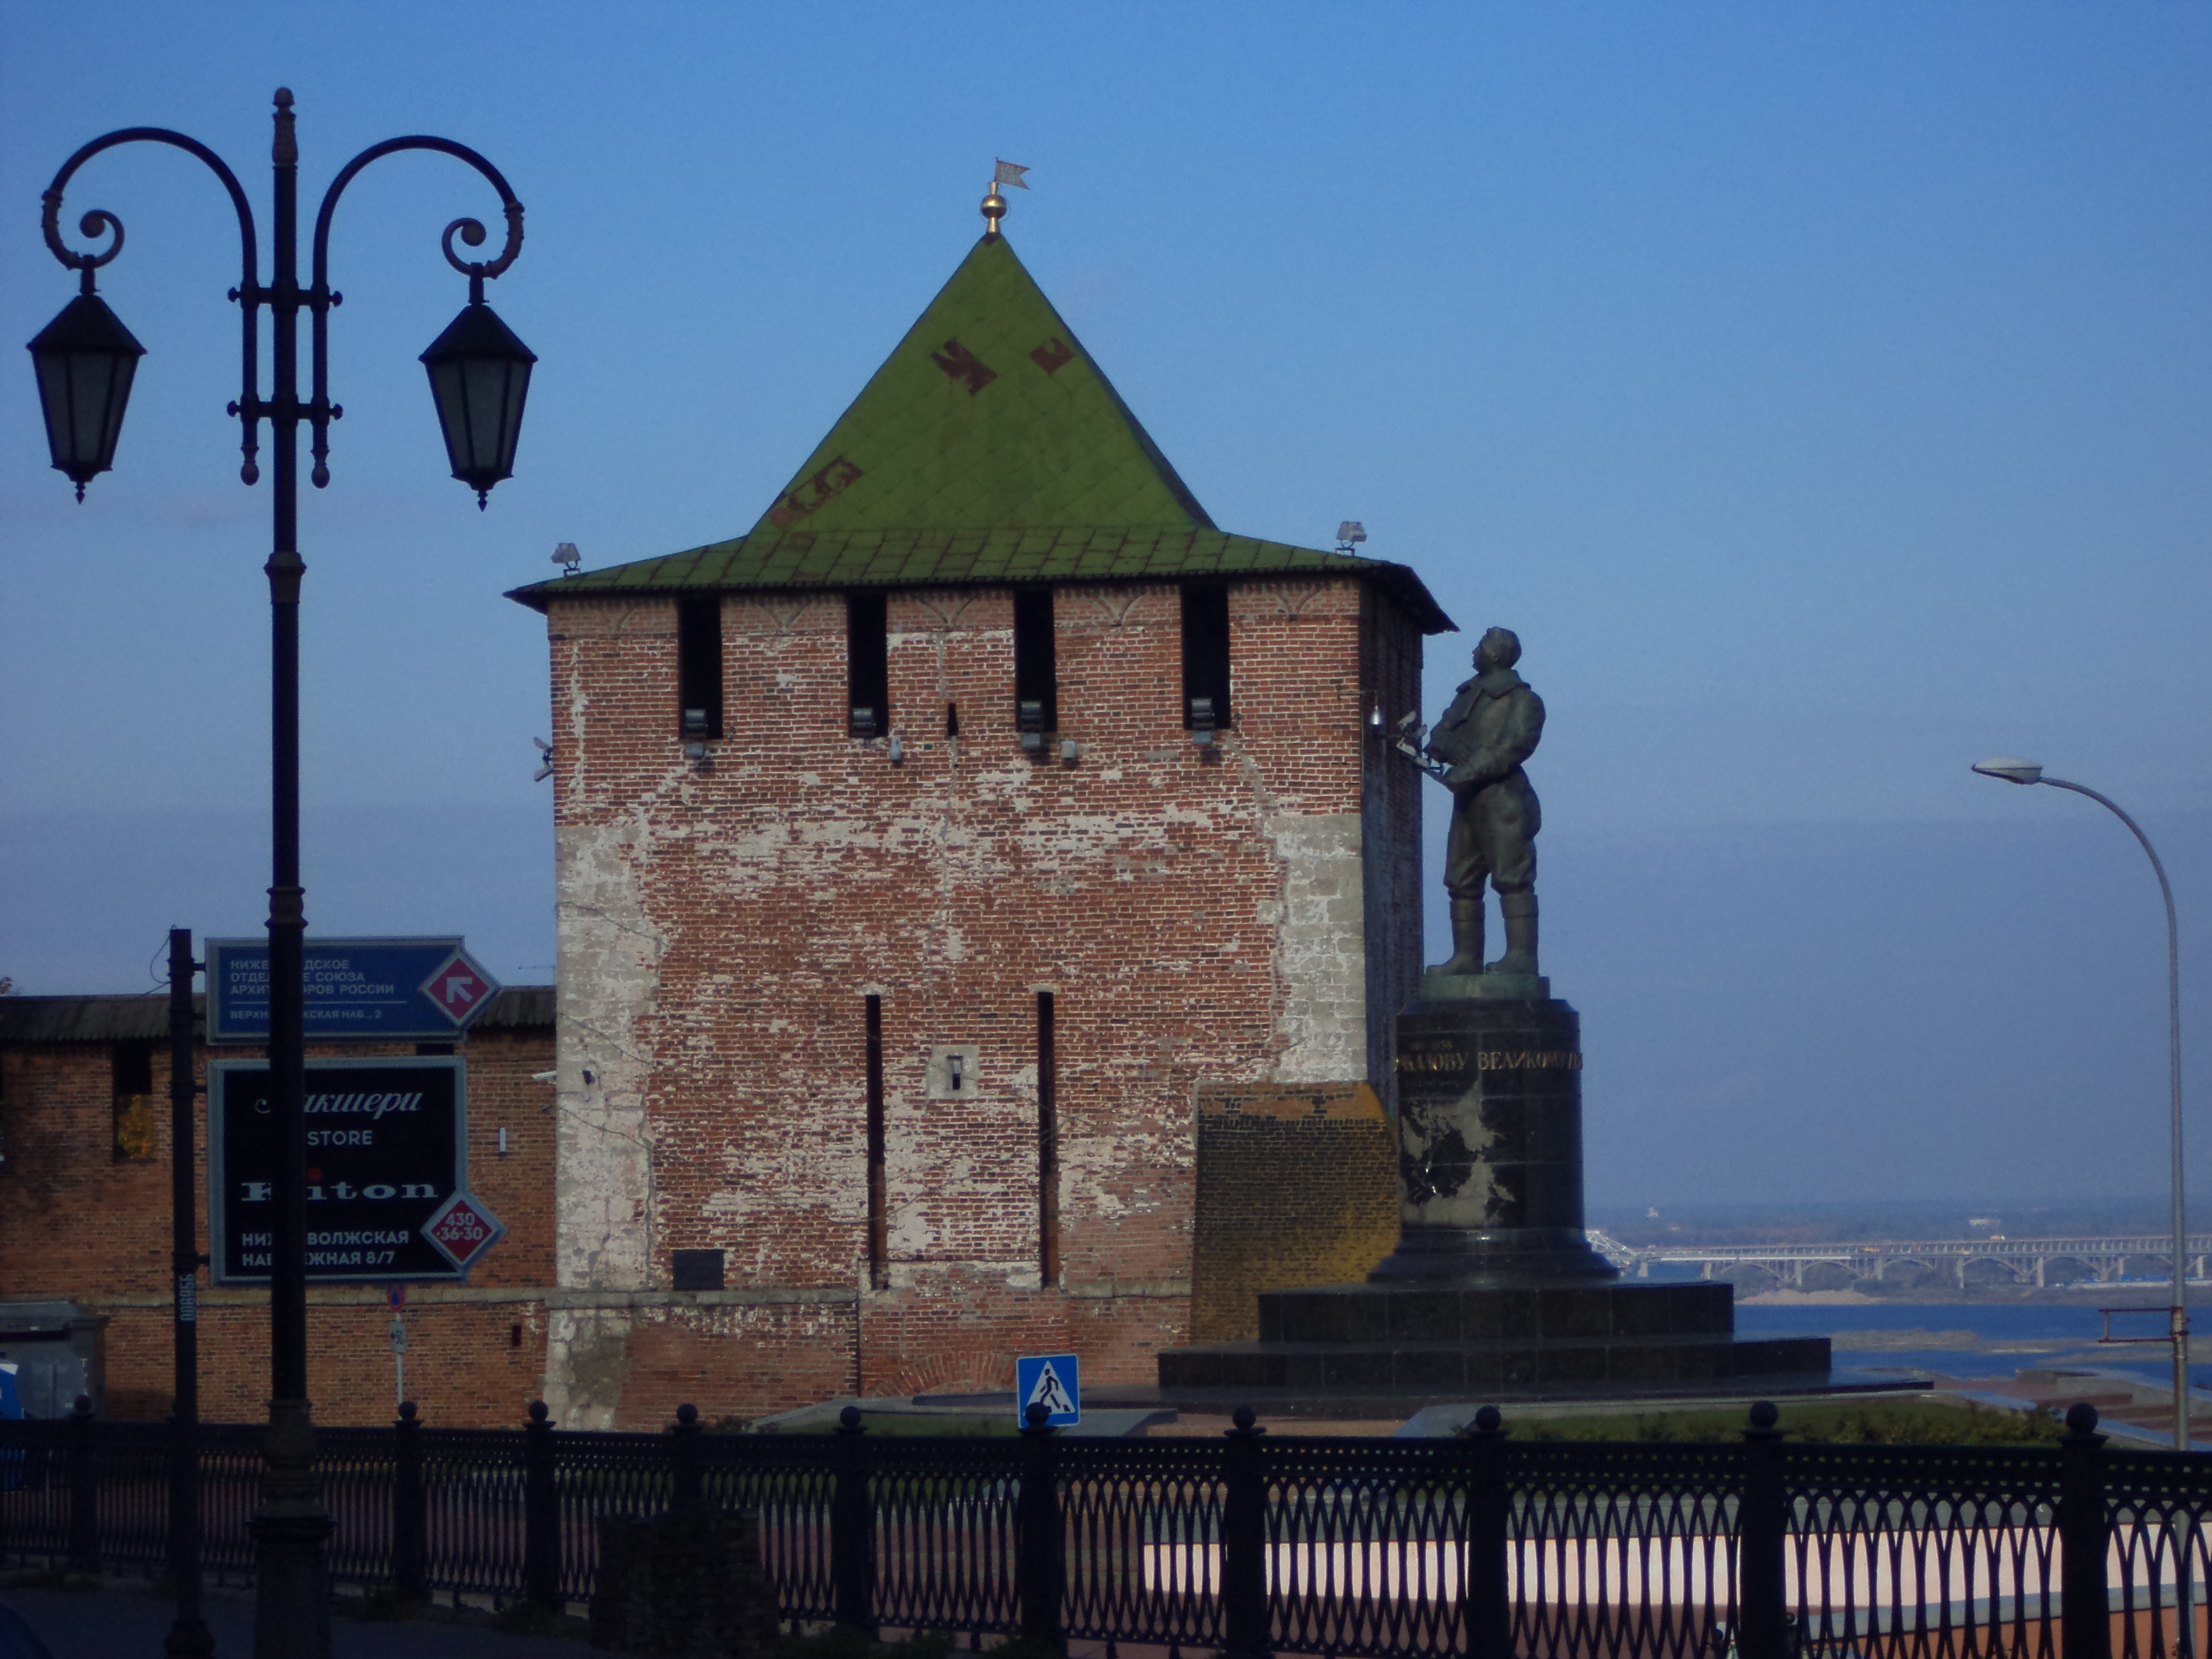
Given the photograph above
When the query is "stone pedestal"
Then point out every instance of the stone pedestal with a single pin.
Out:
(1490, 1124)
(1493, 1289)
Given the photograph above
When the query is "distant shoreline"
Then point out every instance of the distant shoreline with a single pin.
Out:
(2113, 1296)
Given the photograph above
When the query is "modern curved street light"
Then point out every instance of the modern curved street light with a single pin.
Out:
(2025, 771)
(479, 375)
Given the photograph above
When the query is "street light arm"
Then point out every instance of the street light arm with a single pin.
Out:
(2174, 1066)
(320, 298)
(248, 293)
(2164, 887)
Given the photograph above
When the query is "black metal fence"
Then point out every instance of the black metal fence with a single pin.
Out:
(1249, 1544)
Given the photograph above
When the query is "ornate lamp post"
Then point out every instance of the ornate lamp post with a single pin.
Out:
(479, 375)
(2026, 772)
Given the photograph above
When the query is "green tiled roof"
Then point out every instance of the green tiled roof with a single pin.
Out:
(987, 449)
(968, 558)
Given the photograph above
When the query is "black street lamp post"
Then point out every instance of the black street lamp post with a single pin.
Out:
(479, 375)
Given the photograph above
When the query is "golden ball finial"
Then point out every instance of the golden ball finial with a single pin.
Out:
(994, 209)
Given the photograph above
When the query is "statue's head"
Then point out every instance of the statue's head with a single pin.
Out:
(1499, 648)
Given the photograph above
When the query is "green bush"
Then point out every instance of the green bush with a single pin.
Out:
(1827, 1422)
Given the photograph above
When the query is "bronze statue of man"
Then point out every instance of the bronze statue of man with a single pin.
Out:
(1492, 726)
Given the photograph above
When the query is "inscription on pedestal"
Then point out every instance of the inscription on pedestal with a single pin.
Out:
(1452, 1058)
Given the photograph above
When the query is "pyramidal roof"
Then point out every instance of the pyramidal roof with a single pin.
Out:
(989, 415)
(989, 448)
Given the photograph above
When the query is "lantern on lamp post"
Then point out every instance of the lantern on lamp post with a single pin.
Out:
(85, 359)
(479, 376)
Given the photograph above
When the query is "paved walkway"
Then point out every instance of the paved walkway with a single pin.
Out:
(130, 1623)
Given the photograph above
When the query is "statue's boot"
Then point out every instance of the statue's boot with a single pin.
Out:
(1519, 911)
(1467, 937)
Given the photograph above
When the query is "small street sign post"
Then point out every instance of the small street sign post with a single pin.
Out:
(383, 990)
(398, 1360)
(1053, 1381)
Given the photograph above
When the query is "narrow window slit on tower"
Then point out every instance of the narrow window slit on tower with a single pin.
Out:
(699, 667)
(879, 1220)
(1036, 678)
(1048, 1146)
(1205, 656)
(868, 667)
(951, 720)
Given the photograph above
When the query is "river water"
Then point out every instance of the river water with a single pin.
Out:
(1984, 1338)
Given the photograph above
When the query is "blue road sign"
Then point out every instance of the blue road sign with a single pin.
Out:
(1053, 1381)
(380, 990)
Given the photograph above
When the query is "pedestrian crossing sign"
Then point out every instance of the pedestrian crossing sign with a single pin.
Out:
(1054, 1382)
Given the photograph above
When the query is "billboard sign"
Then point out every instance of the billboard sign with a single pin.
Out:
(356, 990)
(387, 1149)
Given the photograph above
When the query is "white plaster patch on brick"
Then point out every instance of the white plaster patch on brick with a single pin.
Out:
(909, 1235)
(1321, 964)
(608, 953)
(587, 1363)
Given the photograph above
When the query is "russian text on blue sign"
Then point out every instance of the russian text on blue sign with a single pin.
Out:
(385, 990)
(1053, 1381)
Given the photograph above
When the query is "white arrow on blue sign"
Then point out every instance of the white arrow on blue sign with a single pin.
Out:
(1053, 1381)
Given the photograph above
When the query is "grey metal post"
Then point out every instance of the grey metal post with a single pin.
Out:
(2085, 1618)
(189, 1637)
(1244, 1614)
(541, 1513)
(1762, 1537)
(84, 1491)
(1485, 1599)
(409, 1517)
(2027, 772)
(2180, 1312)
(852, 1529)
(683, 1458)
(1037, 1565)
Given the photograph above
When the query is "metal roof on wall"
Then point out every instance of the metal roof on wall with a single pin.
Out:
(25, 1020)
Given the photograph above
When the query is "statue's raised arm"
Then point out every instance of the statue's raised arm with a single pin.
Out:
(1477, 749)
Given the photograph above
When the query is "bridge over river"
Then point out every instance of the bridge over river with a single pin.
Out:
(1899, 1263)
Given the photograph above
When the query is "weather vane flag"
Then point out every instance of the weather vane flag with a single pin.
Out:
(994, 205)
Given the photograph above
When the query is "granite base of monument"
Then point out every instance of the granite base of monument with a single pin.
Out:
(1441, 1341)
(1493, 1289)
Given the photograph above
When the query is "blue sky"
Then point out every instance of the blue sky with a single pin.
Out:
(1824, 394)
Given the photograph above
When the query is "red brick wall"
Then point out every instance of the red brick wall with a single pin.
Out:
(720, 928)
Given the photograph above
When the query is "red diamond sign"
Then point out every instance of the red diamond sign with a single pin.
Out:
(461, 989)
(463, 1229)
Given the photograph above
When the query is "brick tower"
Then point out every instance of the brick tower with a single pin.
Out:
(925, 855)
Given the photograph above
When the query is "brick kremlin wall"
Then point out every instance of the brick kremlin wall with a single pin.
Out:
(81, 1221)
(1205, 920)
